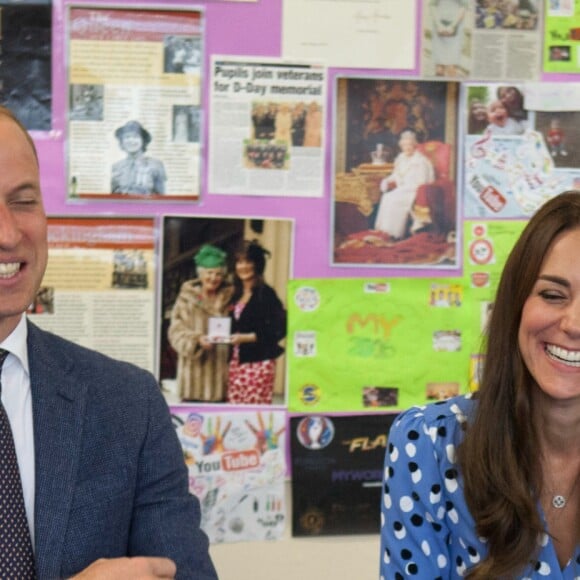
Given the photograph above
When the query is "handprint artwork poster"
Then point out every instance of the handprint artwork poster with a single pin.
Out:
(237, 466)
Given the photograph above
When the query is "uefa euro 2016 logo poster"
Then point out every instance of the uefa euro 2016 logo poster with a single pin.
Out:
(337, 468)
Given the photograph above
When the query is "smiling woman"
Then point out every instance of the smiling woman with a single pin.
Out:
(258, 325)
(137, 173)
(488, 485)
(202, 366)
(549, 335)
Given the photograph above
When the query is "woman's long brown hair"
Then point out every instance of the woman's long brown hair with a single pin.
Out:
(499, 457)
(252, 251)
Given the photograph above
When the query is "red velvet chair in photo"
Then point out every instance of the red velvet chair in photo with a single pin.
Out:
(435, 202)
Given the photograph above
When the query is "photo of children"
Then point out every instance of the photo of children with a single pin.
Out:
(517, 157)
(561, 131)
(497, 109)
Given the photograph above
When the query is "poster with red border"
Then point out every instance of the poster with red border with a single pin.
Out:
(134, 103)
(99, 286)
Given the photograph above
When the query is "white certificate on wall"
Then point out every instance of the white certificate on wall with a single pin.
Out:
(380, 33)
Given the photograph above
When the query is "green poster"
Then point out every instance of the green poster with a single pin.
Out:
(562, 36)
(487, 244)
(369, 344)
(386, 344)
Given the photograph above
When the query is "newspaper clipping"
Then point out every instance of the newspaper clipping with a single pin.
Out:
(98, 289)
(482, 39)
(267, 128)
(134, 103)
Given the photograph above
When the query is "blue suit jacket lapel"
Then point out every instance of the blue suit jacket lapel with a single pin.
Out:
(58, 404)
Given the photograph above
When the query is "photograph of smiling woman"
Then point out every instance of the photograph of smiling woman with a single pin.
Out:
(137, 173)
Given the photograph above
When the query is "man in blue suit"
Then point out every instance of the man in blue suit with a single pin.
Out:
(104, 481)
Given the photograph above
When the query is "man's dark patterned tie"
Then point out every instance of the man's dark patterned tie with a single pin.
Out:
(16, 556)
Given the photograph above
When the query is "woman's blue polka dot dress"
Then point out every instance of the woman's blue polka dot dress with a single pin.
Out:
(427, 531)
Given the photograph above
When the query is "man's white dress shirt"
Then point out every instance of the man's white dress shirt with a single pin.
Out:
(17, 400)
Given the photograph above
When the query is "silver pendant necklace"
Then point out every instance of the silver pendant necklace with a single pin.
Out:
(559, 501)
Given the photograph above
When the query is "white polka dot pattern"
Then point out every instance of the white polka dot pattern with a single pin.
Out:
(16, 557)
(427, 531)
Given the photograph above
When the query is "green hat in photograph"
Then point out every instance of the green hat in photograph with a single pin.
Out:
(210, 257)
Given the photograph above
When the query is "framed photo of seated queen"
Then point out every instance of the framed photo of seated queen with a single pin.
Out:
(394, 201)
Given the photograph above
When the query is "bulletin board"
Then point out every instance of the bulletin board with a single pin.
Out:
(297, 112)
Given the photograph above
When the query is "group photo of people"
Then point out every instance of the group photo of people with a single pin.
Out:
(518, 14)
(294, 124)
(86, 102)
(224, 315)
(258, 154)
(182, 54)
